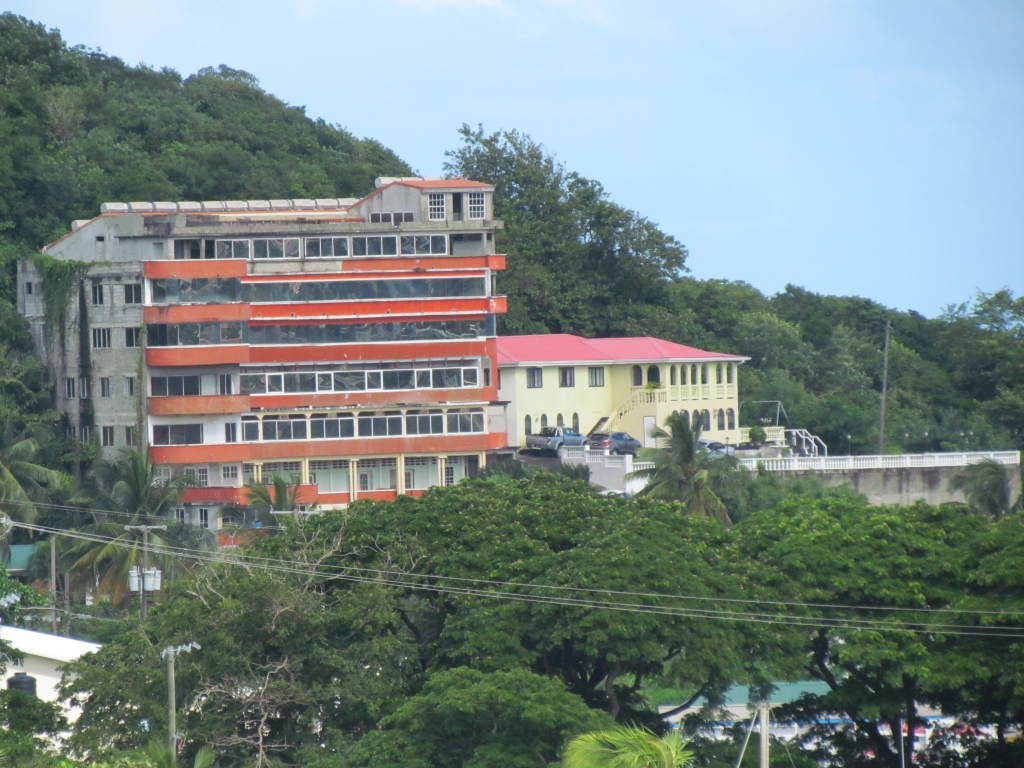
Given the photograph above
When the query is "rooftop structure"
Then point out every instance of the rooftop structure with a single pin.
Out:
(345, 344)
(626, 384)
(44, 655)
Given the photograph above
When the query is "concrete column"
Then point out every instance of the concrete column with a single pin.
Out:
(353, 479)
(441, 462)
(304, 470)
(257, 471)
(401, 474)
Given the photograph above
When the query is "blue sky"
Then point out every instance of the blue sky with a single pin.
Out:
(856, 148)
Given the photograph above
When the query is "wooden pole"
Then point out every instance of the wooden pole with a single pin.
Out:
(885, 389)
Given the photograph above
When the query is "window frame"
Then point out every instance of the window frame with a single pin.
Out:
(476, 206)
(595, 375)
(535, 377)
(437, 204)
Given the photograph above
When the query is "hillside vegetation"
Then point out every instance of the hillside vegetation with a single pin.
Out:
(81, 127)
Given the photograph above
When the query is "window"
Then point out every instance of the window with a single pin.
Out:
(231, 433)
(177, 434)
(107, 436)
(375, 246)
(174, 386)
(204, 517)
(28, 289)
(721, 419)
(202, 477)
(459, 421)
(389, 218)
(706, 420)
(71, 433)
(487, 377)
(133, 293)
(84, 388)
(534, 378)
(97, 293)
(696, 423)
(476, 205)
(188, 249)
(86, 434)
(372, 424)
(132, 337)
(637, 376)
(105, 386)
(719, 374)
(653, 375)
(559, 422)
(728, 374)
(326, 247)
(672, 375)
(543, 420)
(596, 374)
(225, 384)
(528, 425)
(179, 514)
(129, 386)
(69, 389)
(449, 474)
(576, 422)
(567, 377)
(276, 248)
(731, 415)
(232, 249)
(435, 206)
(129, 436)
(229, 472)
(436, 245)
(250, 429)
(417, 423)
(100, 338)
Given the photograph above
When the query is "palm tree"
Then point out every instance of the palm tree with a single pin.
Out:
(22, 481)
(627, 748)
(986, 487)
(684, 470)
(279, 496)
(127, 485)
(163, 756)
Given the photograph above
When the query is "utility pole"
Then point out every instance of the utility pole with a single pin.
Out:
(53, 583)
(145, 557)
(885, 389)
(764, 734)
(172, 705)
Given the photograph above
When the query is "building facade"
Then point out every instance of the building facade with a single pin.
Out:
(627, 384)
(346, 344)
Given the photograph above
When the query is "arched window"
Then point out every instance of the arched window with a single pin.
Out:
(693, 375)
(685, 415)
(721, 420)
(672, 376)
(695, 422)
(684, 374)
(707, 420)
(720, 374)
(732, 418)
(576, 422)
(529, 425)
(638, 376)
(558, 421)
(653, 374)
(543, 420)
(729, 369)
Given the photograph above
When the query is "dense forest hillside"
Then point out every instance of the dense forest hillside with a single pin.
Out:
(79, 127)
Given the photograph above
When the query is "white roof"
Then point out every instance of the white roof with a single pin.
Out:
(46, 646)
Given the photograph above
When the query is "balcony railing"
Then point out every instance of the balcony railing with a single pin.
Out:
(894, 461)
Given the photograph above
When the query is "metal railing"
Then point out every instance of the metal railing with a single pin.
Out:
(894, 461)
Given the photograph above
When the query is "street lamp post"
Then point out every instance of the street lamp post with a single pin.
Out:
(172, 706)
(145, 557)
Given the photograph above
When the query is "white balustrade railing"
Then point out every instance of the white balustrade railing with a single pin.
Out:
(888, 461)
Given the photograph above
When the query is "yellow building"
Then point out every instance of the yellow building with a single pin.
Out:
(627, 385)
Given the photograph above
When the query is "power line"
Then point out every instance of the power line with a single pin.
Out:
(401, 581)
(555, 587)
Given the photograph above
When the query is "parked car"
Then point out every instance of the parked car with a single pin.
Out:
(553, 438)
(718, 448)
(615, 442)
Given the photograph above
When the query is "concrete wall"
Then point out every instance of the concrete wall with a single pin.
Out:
(905, 485)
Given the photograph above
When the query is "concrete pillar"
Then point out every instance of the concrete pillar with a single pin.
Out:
(441, 463)
(401, 474)
(353, 479)
(257, 472)
(304, 471)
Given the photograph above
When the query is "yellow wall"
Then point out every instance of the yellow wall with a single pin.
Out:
(618, 393)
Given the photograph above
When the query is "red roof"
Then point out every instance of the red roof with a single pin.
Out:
(566, 348)
(443, 184)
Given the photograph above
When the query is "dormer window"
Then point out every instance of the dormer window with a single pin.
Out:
(476, 205)
(435, 206)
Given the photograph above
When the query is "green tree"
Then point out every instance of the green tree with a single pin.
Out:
(127, 485)
(162, 756)
(627, 748)
(685, 471)
(22, 481)
(279, 496)
(986, 485)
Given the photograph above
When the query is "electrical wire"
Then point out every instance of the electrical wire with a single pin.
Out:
(392, 580)
(748, 601)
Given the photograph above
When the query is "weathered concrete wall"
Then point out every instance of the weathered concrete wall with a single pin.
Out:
(904, 486)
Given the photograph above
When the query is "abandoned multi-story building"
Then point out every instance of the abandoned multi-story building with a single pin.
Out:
(345, 344)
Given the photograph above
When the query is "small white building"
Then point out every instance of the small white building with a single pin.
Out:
(44, 654)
